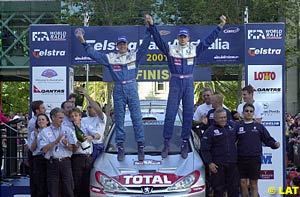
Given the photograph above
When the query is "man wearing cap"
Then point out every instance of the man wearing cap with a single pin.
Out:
(181, 62)
(123, 67)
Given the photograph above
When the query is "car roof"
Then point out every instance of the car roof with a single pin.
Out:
(152, 110)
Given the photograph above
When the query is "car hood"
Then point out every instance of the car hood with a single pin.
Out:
(173, 164)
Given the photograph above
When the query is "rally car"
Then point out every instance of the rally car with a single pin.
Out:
(172, 176)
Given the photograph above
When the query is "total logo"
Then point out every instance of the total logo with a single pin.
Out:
(264, 75)
(147, 179)
(263, 51)
(256, 34)
(38, 53)
(36, 90)
(43, 36)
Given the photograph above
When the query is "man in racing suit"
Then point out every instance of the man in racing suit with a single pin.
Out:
(123, 67)
(181, 62)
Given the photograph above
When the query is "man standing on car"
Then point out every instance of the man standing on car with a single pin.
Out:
(250, 137)
(123, 67)
(219, 153)
(181, 62)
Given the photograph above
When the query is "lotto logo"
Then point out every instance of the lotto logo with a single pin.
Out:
(40, 36)
(256, 34)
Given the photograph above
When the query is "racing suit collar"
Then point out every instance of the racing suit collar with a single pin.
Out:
(122, 54)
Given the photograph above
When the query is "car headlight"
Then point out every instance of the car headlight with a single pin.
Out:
(185, 182)
(108, 183)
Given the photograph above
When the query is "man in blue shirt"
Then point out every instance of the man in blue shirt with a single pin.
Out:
(219, 153)
(123, 67)
(250, 136)
(181, 62)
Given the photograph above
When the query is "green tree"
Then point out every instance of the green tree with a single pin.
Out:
(15, 97)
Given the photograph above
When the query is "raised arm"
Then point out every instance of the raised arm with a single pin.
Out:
(203, 45)
(101, 58)
(161, 44)
(93, 103)
(144, 46)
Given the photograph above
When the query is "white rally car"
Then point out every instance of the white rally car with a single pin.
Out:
(154, 177)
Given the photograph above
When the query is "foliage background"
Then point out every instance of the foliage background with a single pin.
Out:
(172, 12)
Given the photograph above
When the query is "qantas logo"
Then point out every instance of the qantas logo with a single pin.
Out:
(47, 91)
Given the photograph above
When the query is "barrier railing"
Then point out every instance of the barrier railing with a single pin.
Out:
(13, 150)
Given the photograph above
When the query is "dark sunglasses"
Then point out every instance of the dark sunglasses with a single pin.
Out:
(247, 110)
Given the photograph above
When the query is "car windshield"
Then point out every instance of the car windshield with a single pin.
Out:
(153, 139)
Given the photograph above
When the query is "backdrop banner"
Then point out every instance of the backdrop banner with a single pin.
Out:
(227, 48)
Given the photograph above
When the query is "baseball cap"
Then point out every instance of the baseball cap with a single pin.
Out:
(122, 39)
(184, 32)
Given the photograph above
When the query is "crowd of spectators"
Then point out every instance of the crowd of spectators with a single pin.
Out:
(292, 126)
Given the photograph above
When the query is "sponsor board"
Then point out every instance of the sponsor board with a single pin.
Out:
(228, 45)
(50, 45)
(265, 67)
(49, 85)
